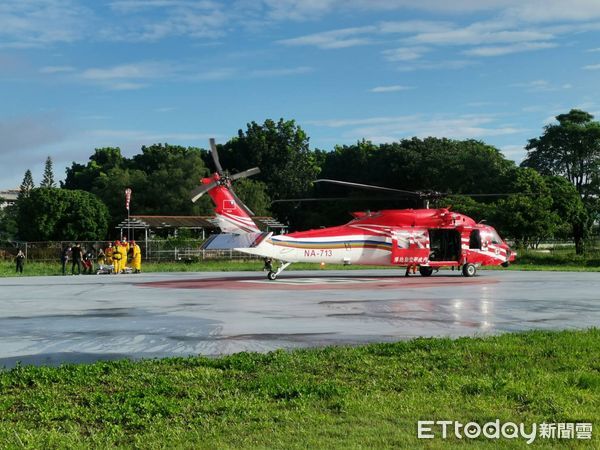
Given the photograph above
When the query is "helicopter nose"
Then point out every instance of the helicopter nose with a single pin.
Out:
(510, 254)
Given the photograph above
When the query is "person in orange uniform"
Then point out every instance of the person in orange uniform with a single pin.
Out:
(108, 254)
(116, 256)
(136, 257)
(123, 249)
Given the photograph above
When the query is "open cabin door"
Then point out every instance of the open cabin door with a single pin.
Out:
(410, 247)
(445, 245)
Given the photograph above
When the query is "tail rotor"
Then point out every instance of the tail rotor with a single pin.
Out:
(222, 178)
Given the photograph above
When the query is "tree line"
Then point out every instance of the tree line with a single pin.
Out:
(552, 194)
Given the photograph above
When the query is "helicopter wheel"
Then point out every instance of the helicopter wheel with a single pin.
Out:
(425, 271)
(272, 275)
(469, 270)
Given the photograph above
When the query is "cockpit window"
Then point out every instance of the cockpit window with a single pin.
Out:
(494, 237)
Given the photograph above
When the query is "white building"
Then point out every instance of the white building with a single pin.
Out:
(8, 197)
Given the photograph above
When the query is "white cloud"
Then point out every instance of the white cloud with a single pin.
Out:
(165, 109)
(542, 85)
(554, 10)
(393, 88)
(515, 152)
(592, 67)
(593, 50)
(301, 10)
(453, 64)
(398, 127)
(131, 76)
(414, 26)
(56, 69)
(480, 33)
(38, 23)
(150, 21)
(126, 71)
(334, 39)
(508, 49)
(404, 53)
(266, 73)
(110, 136)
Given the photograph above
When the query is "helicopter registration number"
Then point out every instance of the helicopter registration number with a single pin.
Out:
(318, 252)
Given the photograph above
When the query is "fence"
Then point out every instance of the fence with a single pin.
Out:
(152, 251)
(181, 249)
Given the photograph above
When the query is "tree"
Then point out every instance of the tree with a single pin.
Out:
(161, 178)
(61, 214)
(26, 185)
(526, 218)
(571, 149)
(48, 180)
(254, 195)
(569, 206)
(8, 222)
(281, 151)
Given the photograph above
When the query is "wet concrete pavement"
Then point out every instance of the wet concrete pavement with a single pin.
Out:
(50, 320)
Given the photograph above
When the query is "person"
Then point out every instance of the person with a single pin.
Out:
(116, 257)
(20, 260)
(88, 265)
(109, 254)
(101, 257)
(64, 258)
(268, 264)
(76, 254)
(136, 257)
(124, 249)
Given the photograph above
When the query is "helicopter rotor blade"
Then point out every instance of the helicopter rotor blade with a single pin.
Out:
(240, 203)
(245, 173)
(503, 194)
(337, 199)
(215, 155)
(369, 186)
(201, 190)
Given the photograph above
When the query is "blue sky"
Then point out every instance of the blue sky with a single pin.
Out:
(76, 75)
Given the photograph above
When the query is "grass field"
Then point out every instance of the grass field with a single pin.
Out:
(561, 260)
(337, 397)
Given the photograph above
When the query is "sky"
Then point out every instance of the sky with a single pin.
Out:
(79, 75)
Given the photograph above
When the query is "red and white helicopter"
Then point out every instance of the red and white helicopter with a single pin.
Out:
(423, 239)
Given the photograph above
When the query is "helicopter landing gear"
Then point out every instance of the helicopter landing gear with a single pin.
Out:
(425, 271)
(469, 270)
(272, 275)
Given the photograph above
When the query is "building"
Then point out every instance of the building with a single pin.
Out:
(144, 226)
(8, 197)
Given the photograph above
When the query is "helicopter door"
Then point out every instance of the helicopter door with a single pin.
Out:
(445, 245)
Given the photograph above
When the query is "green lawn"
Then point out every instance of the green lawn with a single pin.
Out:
(528, 261)
(336, 397)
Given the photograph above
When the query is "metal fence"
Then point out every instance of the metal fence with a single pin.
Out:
(183, 249)
(165, 250)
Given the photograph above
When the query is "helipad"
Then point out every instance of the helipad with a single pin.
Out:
(49, 320)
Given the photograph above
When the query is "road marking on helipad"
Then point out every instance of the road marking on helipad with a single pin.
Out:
(320, 280)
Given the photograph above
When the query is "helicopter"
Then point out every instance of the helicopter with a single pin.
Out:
(423, 239)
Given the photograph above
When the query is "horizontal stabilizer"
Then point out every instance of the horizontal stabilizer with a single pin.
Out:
(228, 241)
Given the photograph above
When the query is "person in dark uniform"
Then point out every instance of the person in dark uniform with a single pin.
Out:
(76, 254)
(20, 260)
